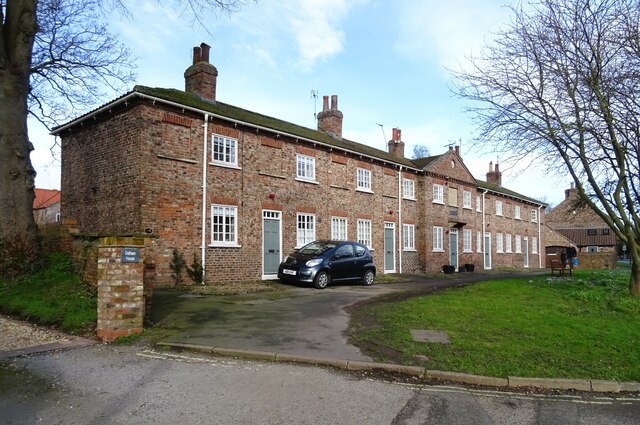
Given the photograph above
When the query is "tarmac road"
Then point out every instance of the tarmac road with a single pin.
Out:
(135, 385)
(299, 321)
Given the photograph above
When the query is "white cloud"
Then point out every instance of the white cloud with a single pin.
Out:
(447, 31)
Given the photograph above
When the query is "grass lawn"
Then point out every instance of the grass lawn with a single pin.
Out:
(54, 296)
(585, 326)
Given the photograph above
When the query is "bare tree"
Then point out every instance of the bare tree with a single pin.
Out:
(57, 59)
(420, 151)
(561, 86)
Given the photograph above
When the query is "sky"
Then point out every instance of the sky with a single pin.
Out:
(387, 61)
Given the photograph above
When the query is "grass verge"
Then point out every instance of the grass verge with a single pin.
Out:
(54, 297)
(585, 326)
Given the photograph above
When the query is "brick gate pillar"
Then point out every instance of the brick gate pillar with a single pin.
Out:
(121, 301)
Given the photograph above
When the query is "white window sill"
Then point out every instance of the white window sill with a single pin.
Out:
(225, 165)
(438, 202)
(438, 250)
(409, 250)
(301, 180)
(406, 198)
(359, 189)
(467, 208)
(467, 252)
(225, 246)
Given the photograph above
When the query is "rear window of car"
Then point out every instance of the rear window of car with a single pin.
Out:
(360, 250)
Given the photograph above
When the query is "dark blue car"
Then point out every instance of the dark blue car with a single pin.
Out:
(321, 262)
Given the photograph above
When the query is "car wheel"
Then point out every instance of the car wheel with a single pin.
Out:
(368, 277)
(322, 280)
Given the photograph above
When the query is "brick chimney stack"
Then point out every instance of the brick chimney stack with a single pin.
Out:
(330, 119)
(494, 176)
(568, 192)
(200, 78)
(396, 145)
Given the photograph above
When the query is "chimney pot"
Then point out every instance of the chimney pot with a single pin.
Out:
(196, 55)
(491, 166)
(457, 149)
(204, 52)
(325, 103)
(334, 102)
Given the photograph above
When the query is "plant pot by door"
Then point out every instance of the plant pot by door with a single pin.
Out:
(447, 269)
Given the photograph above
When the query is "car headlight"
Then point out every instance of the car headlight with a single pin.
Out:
(314, 262)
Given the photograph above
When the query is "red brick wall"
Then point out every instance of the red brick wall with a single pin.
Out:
(146, 168)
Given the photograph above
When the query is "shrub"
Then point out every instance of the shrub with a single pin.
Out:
(196, 271)
(177, 266)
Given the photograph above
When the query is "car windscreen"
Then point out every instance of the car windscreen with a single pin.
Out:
(316, 248)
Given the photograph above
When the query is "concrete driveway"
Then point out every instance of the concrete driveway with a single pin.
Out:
(296, 320)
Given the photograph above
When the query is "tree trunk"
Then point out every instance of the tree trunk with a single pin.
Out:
(18, 232)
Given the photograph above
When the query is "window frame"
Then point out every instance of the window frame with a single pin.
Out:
(534, 216)
(335, 231)
(499, 243)
(364, 179)
(224, 233)
(438, 239)
(467, 240)
(363, 225)
(516, 212)
(466, 200)
(225, 141)
(409, 237)
(408, 194)
(518, 244)
(508, 243)
(479, 242)
(305, 161)
(438, 194)
(311, 219)
(498, 207)
(534, 245)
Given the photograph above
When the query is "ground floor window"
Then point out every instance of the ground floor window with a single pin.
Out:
(518, 244)
(306, 225)
(466, 241)
(478, 242)
(364, 232)
(534, 244)
(409, 237)
(437, 239)
(499, 240)
(339, 229)
(224, 225)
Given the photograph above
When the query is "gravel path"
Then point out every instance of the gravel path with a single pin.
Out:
(15, 335)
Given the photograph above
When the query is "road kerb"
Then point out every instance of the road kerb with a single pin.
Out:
(293, 358)
(600, 386)
(630, 386)
(467, 378)
(244, 354)
(550, 383)
(191, 347)
(416, 371)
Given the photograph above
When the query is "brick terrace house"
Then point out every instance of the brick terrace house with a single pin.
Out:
(581, 225)
(241, 189)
